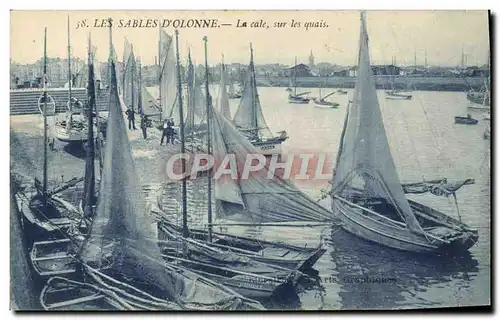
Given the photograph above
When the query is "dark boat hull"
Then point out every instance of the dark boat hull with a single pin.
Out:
(369, 226)
(465, 120)
(292, 257)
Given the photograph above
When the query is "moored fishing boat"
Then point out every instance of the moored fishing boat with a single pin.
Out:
(118, 258)
(321, 102)
(73, 127)
(249, 118)
(293, 96)
(367, 195)
(273, 253)
(397, 95)
(466, 120)
(43, 214)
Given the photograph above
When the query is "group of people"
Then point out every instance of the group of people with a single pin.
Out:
(168, 126)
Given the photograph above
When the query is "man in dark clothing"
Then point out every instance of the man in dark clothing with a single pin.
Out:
(131, 118)
(165, 132)
(144, 125)
(170, 131)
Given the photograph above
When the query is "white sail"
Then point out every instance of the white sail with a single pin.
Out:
(249, 118)
(258, 198)
(168, 77)
(130, 93)
(365, 161)
(223, 95)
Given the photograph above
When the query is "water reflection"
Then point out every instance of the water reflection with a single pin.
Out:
(371, 276)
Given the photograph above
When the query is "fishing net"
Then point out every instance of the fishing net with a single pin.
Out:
(259, 198)
(122, 243)
(120, 236)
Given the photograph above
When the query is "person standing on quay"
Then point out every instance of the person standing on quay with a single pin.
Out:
(131, 118)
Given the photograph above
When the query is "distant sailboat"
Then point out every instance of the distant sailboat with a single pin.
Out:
(293, 96)
(321, 102)
(223, 94)
(394, 94)
(366, 192)
(480, 100)
(249, 118)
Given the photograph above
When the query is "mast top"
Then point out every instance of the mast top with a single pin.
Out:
(251, 52)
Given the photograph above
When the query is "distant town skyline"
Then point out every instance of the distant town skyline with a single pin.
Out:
(399, 35)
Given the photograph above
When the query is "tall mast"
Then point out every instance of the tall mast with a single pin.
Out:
(69, 69)
(139, 85)
(89, 199)
(295, 78)
(209, 142)
(110, 47)
(185, 231)
(133, 71)
(44, 190)
(159, 70)
(425, 58)
(191, 97)
(254, 92)
(415, 57)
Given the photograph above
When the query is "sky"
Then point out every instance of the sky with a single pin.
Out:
(397, 34)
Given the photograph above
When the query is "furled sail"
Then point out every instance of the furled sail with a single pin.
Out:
(249, 117)
(365, 161)
(196, 101)
(120, 241)
(168, 78)
(223, 95)
(257, 198)
(89, 199)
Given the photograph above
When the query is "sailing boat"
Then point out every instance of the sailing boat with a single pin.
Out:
(130, 87)
(73, 128)
(480, 100)
(119, 261)
(223, 95)
(230, 269)
(467, 119)
(366, 192)
(167, 79)
(232, 93)
(394, 94)
(44, 214)
(322, 103)
(297, 98)
(259, 200)
(250, 120)
(55, 257)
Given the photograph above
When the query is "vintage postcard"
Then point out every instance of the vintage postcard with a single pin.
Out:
(250, 160)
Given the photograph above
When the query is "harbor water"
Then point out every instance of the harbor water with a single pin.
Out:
(353, 274)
